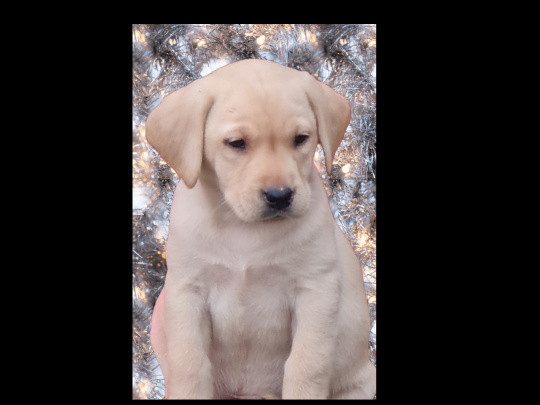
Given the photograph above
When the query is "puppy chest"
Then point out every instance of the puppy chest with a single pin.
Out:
(250, 313)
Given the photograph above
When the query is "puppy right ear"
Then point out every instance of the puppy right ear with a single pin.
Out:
(175, 128)
(333, 114)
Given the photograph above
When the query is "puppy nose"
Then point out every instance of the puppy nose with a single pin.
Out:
(278, 198)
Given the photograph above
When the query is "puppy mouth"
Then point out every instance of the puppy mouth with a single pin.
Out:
(273, 215)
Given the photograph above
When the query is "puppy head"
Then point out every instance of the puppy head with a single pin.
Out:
(255, 125)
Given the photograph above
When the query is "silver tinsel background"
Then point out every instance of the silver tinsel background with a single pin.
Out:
(167, 57)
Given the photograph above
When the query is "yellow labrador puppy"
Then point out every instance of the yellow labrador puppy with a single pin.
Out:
(264, 296)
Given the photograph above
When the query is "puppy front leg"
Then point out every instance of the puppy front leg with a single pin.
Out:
(187, 327)
(309, 366)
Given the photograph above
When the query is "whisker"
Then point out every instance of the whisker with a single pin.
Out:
(220, 204)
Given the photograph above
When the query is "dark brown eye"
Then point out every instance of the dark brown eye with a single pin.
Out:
(238, 144)
(300, 139)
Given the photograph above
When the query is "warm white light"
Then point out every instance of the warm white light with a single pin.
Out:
(362, 238)
(311, 37)
(140, 292)
(140, 36)
(261, 39)
(144, 388)
(346, 168)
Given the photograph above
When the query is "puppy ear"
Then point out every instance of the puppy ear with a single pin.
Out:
(175, 128)
(333, 114)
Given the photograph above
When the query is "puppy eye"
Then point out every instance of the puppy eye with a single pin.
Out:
(300, 139)
(238, 144)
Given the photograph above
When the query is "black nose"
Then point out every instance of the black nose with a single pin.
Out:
(278, 198)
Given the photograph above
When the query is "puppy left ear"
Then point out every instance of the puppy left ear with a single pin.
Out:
(175, 128)
(333, 114)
